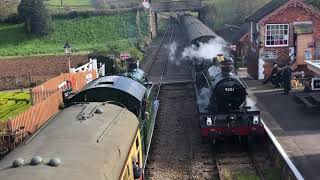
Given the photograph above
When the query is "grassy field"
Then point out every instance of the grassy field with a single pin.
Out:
(84, 34)
(70, 2)
(55, 5)
(12, 104)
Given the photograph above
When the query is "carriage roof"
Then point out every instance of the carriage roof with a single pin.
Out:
(75, 142)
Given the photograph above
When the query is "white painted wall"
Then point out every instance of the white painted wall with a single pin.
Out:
(260, 69)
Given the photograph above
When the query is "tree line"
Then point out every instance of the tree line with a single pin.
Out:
(233, 12)
(36, 17)
(38, 20)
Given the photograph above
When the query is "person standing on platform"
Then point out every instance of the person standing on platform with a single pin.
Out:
(274, 77)
(286, 79)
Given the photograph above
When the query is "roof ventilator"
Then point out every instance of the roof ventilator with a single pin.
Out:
(18, 162)
(99, 110)
(36, 161)
(55, 162)
(89, 111)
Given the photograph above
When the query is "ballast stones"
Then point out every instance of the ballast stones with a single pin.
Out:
(18, 162)
(55, 162)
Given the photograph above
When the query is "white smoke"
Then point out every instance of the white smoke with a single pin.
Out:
(204, 97)
(206, 50)
(173, 57)
(172, 51)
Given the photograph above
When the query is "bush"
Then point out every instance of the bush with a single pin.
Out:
(13, 103)
(13, 19)
(36, 17)
(102, 57)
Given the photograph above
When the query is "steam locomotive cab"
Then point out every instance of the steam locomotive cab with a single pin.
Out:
(223, 104)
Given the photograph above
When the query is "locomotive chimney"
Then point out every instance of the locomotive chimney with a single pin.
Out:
(132, 64)
(227, 65)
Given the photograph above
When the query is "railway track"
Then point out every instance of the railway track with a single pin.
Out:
(237, 161)
(171, 149)
(176, 150)
(160, 57)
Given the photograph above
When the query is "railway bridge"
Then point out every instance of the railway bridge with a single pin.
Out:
(170, 6)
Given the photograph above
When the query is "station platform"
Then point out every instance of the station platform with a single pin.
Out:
(296, 128)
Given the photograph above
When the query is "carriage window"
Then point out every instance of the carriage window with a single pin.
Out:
(277, 35)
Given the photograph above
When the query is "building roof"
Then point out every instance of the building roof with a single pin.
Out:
(265, 10)
(314, 66)
(76, 143)
(233, 34)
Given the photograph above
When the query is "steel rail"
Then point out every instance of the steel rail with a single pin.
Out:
(164, 65)
(255, 164)
(218, 166)
(158, 50)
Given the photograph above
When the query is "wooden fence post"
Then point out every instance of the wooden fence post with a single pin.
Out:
(31, 97)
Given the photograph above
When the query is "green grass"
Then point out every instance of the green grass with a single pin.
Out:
(246, 176)
(12, 104)
(70, 2)
(84, 34)
(273, 173)
(76, 5)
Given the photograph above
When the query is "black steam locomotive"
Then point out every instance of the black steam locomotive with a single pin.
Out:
(223, 104)
(225, 109)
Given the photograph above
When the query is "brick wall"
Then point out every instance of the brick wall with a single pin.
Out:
(290, 15)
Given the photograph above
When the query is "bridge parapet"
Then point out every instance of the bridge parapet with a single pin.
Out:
(173, 6)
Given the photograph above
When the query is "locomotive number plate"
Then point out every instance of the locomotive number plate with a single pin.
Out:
(229, 89)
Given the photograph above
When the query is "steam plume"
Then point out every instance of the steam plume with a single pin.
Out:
(172, 51)
(206, 50)
(203, 98)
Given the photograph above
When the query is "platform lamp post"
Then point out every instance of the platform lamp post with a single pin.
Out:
(67, 51)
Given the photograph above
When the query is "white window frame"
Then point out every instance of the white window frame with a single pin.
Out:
(265, 36)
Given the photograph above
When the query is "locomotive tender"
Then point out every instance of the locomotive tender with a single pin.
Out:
(103, 132)
(223, 104)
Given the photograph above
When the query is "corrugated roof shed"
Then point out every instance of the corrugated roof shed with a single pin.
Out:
(265, 10)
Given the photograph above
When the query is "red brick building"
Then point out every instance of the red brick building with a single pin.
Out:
(282, 32)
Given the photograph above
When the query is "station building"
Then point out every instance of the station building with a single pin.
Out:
(283, 32)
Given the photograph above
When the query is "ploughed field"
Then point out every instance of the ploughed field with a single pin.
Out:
(12, 104)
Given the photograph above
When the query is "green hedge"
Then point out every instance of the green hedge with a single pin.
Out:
(13, 103)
